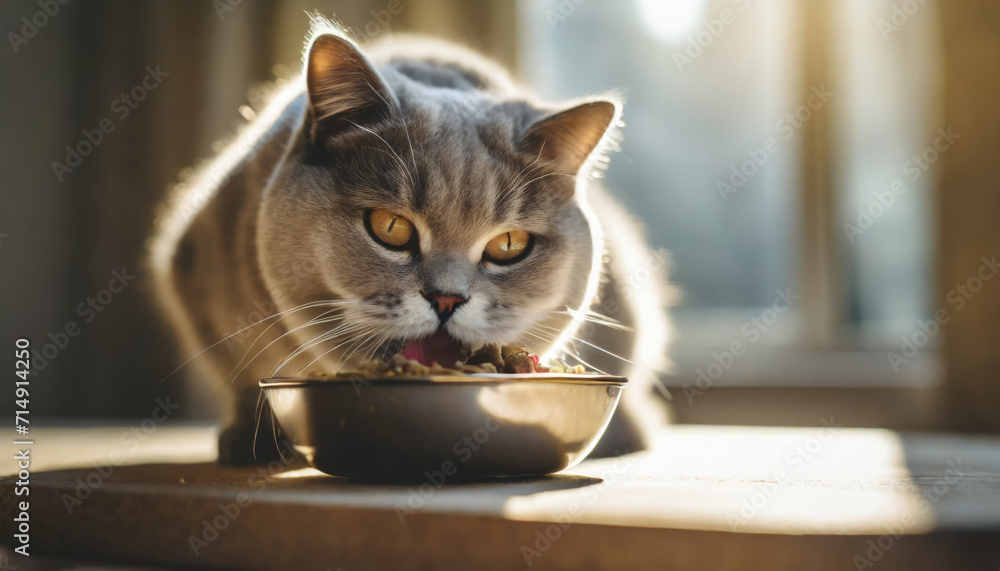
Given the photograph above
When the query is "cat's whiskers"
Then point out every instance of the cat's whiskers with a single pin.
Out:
(376, 344)
(301, 349)
(413, 156)
(321, 338)
(376, 336)
(520, 173)
(258, 412)
(355, 341)
(535, 167)
(356, 324)
(347, 332)
(406, 129)
(588, 343)
(353, 348)
(566, 351)
(540, 177)
(593, 317)
(314, 321)
(262, 405)
(394, 153)
(310, 323)
(280, 314)
(383, 151)
(359, 339)
(310, 363)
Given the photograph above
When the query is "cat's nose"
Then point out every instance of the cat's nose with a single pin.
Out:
(444, 303)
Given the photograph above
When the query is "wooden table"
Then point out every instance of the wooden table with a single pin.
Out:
(706, 497)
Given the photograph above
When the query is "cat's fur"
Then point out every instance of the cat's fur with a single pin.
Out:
(442, 136)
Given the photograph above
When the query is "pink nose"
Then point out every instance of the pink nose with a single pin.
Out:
(444, 303)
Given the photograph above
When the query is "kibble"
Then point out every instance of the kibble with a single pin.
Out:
(491, 358)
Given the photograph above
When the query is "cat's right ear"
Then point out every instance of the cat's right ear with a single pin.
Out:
(567, 139)
(344, 87)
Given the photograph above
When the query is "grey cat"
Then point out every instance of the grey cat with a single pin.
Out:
(408, 195)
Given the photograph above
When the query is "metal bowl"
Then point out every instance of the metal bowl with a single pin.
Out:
(451, 426)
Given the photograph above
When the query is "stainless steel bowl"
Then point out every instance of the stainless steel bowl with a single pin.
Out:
(458, 426)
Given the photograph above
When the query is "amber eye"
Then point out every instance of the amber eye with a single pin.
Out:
(507, 247)
(390, 228)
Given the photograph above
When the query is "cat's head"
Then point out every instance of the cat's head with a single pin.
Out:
(436, 212)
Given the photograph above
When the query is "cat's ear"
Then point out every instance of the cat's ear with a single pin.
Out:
(343, 85)
(568, 138)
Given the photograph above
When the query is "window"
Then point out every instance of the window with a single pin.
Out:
(754, 132)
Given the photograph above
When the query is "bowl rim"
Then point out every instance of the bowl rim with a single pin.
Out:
(470, 379)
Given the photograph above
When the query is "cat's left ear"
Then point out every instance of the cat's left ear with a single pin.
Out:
(343, 85)
(568, 138)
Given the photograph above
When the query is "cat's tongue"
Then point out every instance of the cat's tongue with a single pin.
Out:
(438, 348)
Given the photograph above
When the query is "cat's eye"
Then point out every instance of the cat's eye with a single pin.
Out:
(390, 228)
(507, 247)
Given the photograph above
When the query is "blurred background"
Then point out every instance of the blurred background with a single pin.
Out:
(825, 174)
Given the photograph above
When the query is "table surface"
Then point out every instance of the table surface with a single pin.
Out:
(703, 497)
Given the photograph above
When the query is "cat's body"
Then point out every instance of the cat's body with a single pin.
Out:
(282, 221)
